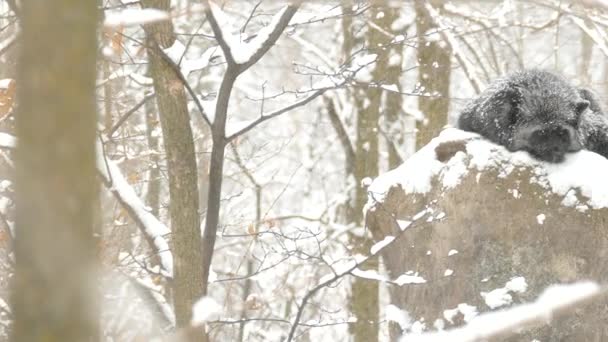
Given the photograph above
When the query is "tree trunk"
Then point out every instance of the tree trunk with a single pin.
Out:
(54, 295)
(154, 180)
(364, 293)
(434, 72)
(585, 58)
(182, 170)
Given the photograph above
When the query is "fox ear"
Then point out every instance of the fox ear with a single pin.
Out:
(581, 106)
(589, 95)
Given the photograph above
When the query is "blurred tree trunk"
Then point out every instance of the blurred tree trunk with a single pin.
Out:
(393, 113)
(182, 170)
(54, 296)
(434, 72)
(368, 103)
(585, 59)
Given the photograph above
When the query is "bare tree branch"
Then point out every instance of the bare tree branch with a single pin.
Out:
(348, 271)
(128, 114)
(218, 128)
(336, 122)
(274, 35)
(276, 113)
(178, 72)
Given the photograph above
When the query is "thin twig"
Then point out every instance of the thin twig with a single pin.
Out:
(128, 114)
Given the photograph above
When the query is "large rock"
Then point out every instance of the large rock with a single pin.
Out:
(481, 217)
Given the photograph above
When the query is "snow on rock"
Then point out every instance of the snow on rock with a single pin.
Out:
(482, 327)
(468, 312)
(501, 297)
(409, 279)
(517, 284)
(581, 173)
(399, 316)
(134, 17)
(540, 218)
(403, 279)
(497, 298)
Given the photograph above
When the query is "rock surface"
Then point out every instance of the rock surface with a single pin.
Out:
(490, 228)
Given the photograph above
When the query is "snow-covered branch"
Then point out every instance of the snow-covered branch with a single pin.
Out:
(134, 17)
(152, 229)
(242, 52)
(178, 72)
(556, 300)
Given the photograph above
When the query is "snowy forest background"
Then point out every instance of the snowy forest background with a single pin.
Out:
(308, 103)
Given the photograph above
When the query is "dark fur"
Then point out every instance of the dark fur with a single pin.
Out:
(538, 112)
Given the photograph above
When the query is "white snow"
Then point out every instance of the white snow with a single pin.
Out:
(415, 175)
(448, 272)
(390, 87)
(381, 244)
(7, 140)
(398, 38)
(133, 17)
(399, 316)
(468, 312)
(365, 59)
(321, 14)
(482, 327)
(450, 314)
(540, 218)
(403, 279)
(5, 184)
(240, 50)
(452, 252)
(517, 284)
(501, 297)
(582, 173)
(6, 83)
(177, 51)
(368, 274)
(497, 298)
(153, 228)
(204, 310)
(403, 224)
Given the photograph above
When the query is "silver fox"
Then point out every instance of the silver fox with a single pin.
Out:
(539, 112)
